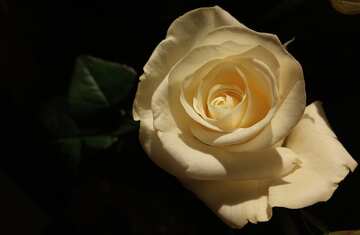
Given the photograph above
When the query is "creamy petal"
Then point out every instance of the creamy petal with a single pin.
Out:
(285, 117)
(259, 96)
(153, 148)
(186, 158)
(183, 35)
(190, 86)
(325, 162)
(183, 69)
(224, 74)
(209, 163)
(233, 140)
(290, 81)
(235, 202)
(162, 117)
(258, 79)
(287, 64)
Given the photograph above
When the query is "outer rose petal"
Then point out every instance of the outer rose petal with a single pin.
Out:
(197, 161)
(235, 202)
(325, 163)
(183, 35)
(209, 163)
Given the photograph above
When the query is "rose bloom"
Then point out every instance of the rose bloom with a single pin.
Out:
(222, 108)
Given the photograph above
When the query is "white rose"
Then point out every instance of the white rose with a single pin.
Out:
(216, 102)
(348, 7)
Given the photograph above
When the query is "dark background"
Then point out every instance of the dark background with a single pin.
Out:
(127, 193)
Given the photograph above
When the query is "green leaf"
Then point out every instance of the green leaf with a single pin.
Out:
(93, 114)
(98, 84)
(84, 93)
(57, 121)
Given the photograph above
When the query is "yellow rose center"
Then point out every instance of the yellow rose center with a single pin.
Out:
(222, 100)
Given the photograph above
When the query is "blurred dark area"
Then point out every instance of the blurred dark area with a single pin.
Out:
(126, 193)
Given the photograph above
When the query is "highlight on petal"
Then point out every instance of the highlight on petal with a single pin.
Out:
(325, 163)
(235, 202)
(183, 35)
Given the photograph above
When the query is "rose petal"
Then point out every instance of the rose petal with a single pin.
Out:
(287, 115)
(189, 158)
(262, 93)
(230, 141)
(222, 74)
(233, 102)
(162, 117)
(290, 81)
(325, 163)
(209, 163)
(183, 34)
(256, 81)
(287, 65)
(153, 148)
(176, 78)
(235, 202)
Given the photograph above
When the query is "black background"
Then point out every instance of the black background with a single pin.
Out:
(128, 194)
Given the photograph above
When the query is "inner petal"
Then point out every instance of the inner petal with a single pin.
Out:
(261, 91)
(223, 78)
(259, 102)
(222, 99)
(230, 93)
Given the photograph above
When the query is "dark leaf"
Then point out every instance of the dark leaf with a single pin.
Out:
(57, 121)
(98, 84)
(92, 116)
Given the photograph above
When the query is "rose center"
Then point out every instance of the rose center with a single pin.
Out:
(226, 100)
(223, 99)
